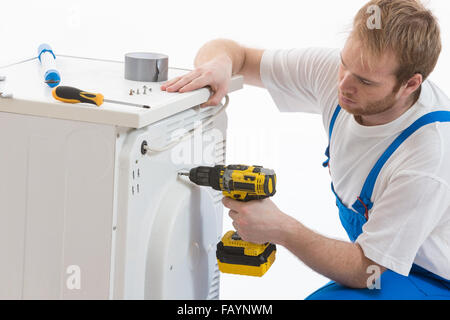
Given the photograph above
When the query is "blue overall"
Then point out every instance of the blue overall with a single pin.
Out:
(420, 284)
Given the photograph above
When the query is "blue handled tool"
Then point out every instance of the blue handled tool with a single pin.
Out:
(47, 58)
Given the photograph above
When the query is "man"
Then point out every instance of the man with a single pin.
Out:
(388, 154)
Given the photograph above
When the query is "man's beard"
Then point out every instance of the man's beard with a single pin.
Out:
(372, 108)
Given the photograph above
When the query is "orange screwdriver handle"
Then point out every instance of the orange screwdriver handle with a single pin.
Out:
(74, 95)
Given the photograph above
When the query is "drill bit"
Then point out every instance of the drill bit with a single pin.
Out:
(183, 173)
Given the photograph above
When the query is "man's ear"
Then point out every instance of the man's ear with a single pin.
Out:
(412, 85)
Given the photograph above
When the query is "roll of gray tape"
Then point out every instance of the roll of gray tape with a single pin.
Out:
(146, 66)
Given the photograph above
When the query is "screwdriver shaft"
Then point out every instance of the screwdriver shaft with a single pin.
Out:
(127, 103)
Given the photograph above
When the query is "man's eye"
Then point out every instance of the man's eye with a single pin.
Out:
(364, 82)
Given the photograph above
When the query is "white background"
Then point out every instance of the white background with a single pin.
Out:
(292, 144)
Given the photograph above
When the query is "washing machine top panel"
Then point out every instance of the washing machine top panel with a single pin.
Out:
(31, 96)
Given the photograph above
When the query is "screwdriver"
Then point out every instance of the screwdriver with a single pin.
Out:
(73, 95)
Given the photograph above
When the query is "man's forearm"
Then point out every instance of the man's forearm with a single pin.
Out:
(341, 261)
(222, 48)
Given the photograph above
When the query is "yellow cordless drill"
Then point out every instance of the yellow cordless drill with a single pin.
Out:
(242, 183)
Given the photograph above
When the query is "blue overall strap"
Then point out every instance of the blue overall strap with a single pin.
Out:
(364, 204)
(333, 120)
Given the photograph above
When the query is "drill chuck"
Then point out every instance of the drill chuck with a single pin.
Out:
(207, 176)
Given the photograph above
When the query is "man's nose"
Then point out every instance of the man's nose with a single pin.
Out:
(346, 83)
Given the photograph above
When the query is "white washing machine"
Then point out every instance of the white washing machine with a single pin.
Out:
(87, 211)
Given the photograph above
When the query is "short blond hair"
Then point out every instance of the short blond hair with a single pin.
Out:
(406, 28)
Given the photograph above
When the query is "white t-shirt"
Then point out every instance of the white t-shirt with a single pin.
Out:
(410, 219)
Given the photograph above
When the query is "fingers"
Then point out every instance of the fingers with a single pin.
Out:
(231, 204)
(197, 83)
(167, 84)
(238, 223)
(215, 98)
(199, 79)
(233, 214)
(235, 226)
(179, 82)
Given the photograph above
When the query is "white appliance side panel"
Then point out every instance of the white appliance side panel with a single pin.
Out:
(56, 198)
(167, 227)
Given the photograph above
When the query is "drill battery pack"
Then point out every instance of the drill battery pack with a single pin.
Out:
(244, 258)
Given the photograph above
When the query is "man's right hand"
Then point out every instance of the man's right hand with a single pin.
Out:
(216, 74)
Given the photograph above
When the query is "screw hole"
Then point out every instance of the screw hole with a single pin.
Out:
(144, 147)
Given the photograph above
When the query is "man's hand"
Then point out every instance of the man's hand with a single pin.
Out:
(257, 221)
(216, 74)
(260, 221)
